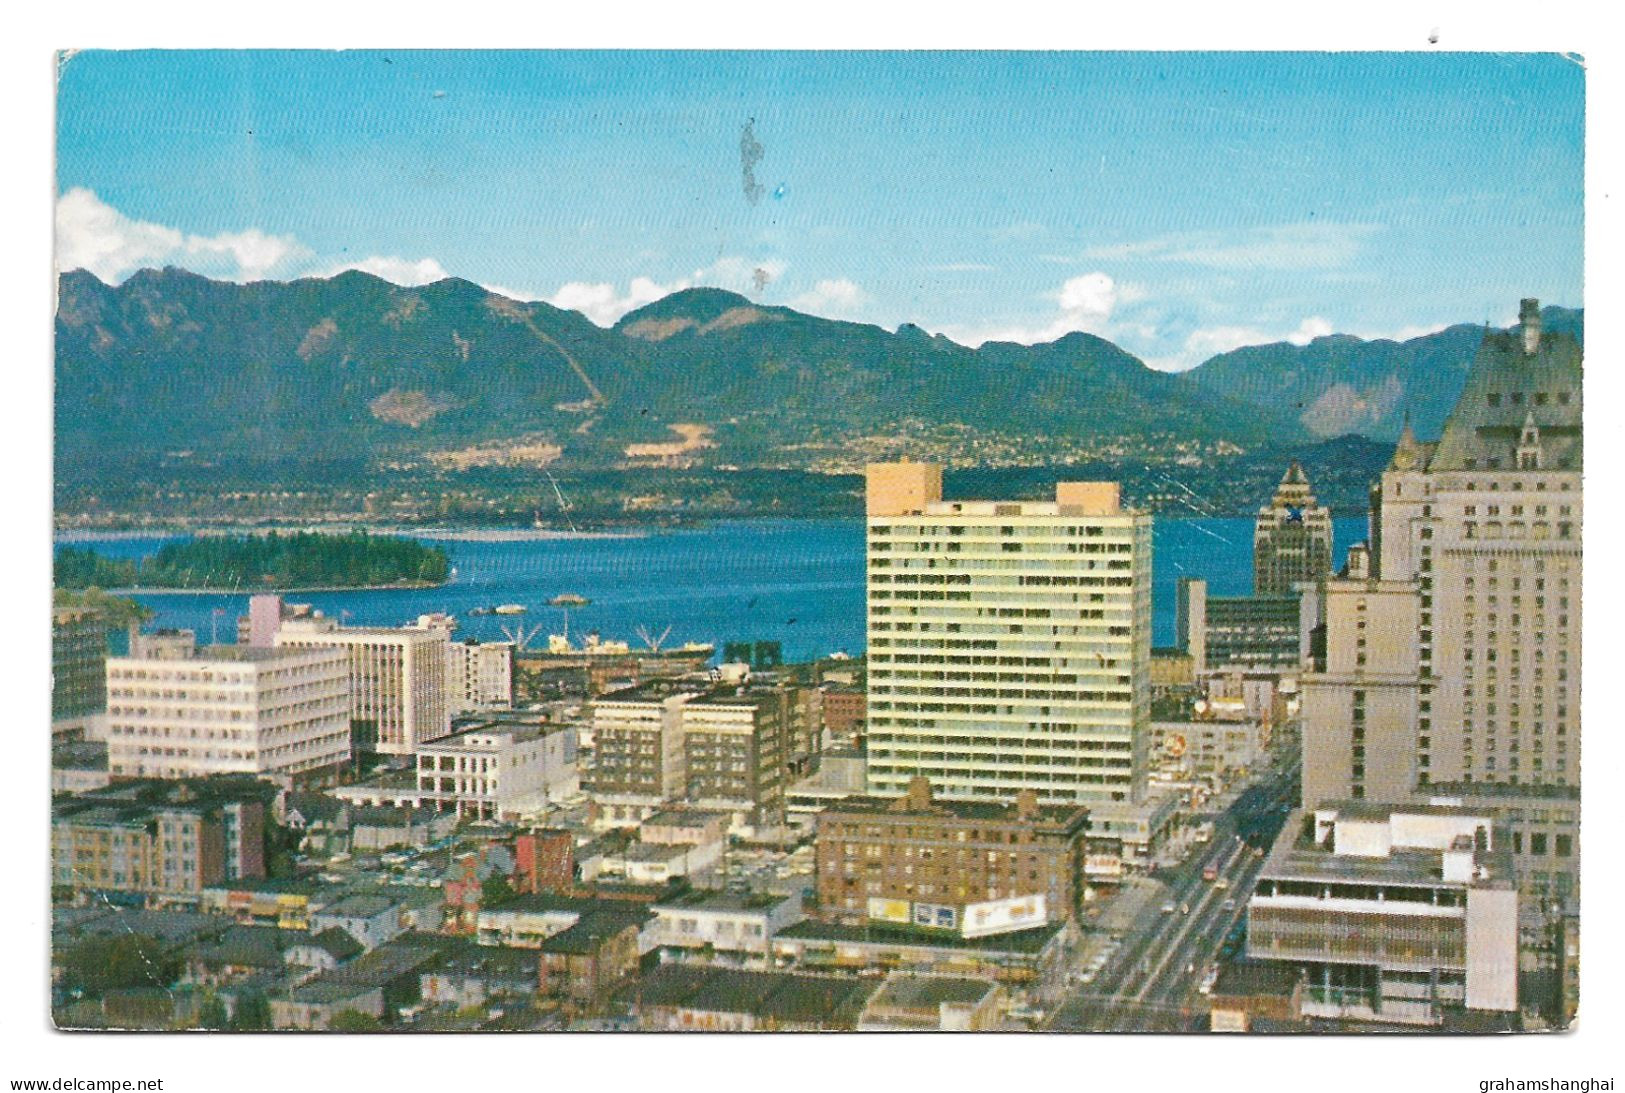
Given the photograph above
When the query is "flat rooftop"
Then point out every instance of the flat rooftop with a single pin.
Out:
(520, 731)
(1016, 943)
(1059, 816)
(655, 690)
(1296, 856)
(712, 900)
(906, 991)
(655, 852)
(781, 996)
(679, 817)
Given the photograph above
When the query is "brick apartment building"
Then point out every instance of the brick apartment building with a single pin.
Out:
(971, 867)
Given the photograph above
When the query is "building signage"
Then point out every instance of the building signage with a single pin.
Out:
(936, 916)
(1001, 916)
(890, 910)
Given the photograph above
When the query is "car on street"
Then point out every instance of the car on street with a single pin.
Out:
(1168, 908)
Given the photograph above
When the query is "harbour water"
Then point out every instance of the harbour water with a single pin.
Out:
(799, 582)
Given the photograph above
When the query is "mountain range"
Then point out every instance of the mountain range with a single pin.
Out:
(172, 366)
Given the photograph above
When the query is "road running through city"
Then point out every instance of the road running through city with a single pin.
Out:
(1151, 983)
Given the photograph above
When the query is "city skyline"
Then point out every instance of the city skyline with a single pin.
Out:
(1179, 205)
(427, 658)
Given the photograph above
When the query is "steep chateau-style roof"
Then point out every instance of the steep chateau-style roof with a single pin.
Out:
(1521, 405)
(1410, 454)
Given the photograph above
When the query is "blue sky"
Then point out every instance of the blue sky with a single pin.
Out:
(1179, 204)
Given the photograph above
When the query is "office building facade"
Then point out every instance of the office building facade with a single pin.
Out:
(397, 680)
(180, 712)
(1390, 913)
(1009, 643)
(1292, 538)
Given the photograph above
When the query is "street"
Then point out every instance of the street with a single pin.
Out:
(1151, 981)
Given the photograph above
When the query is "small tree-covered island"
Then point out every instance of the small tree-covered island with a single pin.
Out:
(297, 560)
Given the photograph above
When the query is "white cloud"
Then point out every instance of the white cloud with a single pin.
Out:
(836, 298)
(397, 271)
(1210, 341)
(1086, 303)
(1406, 333)
(1310, 329)
(604, 304)
(93, 235)
(1089, 298)
(1311, 245)
(739, 274)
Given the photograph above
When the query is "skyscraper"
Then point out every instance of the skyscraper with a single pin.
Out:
(1292, 538)
(1009, 641)
(1476, 565)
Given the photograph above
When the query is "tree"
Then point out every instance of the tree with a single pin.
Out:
(495, 891)
(349, 1020)
(211, 1013)
(97, 965)
(253, 1013)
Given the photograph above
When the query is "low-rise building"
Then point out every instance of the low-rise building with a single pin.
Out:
(78, 766)
(545, 861)
(236, 954)
(158, 839)
(286, 903)
(372, 984)
(658, 863)
(842, 773)
(844, 708)
(1126, 836)
(494, 768)
(385, 827)
(474, 975)
(1211, 746)
(1391, 913)
(735, 928)
(323, 951)
(907, 1002)
(688, 826)
(582, 964)
(1032, 963)
(686, 998)
(961, 866)
(372, 920)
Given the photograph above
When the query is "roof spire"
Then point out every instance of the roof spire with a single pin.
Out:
(1408, 452)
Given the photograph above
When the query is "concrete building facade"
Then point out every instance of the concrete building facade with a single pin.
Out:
(1009, 643)
(160, 839)
(397, 680)
(182, 712)
(1236, 631)
(1390, 913)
